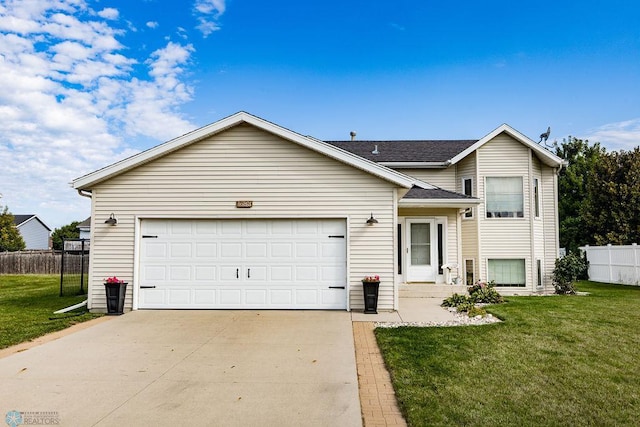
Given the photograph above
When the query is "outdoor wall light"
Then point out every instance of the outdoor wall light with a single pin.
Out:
(372, 220)
(112, 220)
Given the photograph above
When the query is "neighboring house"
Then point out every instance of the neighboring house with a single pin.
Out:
(243, 213)
(85, 229)
(33, 230)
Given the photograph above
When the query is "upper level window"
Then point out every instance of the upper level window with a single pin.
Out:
(467, 190)
(536, 196)
(504, 197)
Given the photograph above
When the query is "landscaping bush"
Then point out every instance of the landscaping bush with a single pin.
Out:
(476, 311)
(455, 300)
(568, 269)
(484, 293)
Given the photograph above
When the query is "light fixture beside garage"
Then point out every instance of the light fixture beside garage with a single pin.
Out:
(372, 220)
(112, 220)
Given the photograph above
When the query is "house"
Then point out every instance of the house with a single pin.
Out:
(33, 230)
(85, 229)
(244, 213)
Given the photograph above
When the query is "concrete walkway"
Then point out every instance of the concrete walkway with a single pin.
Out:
(200, 368)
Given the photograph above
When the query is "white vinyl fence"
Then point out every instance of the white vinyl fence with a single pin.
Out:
(614, 264)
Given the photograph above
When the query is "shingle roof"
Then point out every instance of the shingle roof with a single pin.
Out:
(434, 193)
(19, 219)
(437, 151)
(85, 223)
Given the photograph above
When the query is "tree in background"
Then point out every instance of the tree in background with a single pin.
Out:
(10, 238)
(611, 211)
(69, 231)
(572, 189)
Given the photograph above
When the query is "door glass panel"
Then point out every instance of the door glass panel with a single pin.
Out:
(420, 244)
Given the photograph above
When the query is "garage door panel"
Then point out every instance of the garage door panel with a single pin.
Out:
(155, 272)
(206, 250)
(180, 250)
(231, 250)
(281, 273)
(180, 272)
(205, 273)
(306, 273)
(181, 227)
(306, 250)
(204, 297)
(256, 250)
(230, 297)
(239, 264)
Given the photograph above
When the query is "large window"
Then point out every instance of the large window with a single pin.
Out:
(467, 190)
(507, 272)
(504, 197)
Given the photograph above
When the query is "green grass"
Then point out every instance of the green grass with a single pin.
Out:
(554, 361)
(27, 303)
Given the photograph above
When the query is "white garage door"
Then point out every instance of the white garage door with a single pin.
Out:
(243, 264)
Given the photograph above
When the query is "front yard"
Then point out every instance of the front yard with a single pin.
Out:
(27, 303)
(553, 361)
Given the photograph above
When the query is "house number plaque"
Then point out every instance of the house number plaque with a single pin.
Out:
(244, 204)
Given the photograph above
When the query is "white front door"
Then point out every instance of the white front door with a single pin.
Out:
(422, 260)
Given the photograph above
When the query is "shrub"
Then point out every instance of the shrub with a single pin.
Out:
(484, 293)
(568, 269)
(476, 311)
(466, 306)
(455, 300)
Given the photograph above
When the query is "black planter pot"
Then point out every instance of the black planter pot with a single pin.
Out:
(370, 297)
(115, 293)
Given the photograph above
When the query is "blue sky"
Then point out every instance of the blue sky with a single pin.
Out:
(86, 83)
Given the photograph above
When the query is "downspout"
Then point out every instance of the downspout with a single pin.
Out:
(89, 194)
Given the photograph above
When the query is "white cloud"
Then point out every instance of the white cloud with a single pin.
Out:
(617, 136)
(109, 13)
(70, 97)
(152, 24)
(208, 12)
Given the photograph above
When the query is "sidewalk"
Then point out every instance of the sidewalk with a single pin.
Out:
(377, 397)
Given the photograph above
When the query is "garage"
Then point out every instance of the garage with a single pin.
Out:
(242, 264)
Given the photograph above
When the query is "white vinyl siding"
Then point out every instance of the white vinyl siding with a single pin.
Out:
(470, 250)
(282, 179)
(505, 238)
(34, 234)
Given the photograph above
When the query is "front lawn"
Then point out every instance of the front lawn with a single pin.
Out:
(27, 303)
(557, 360)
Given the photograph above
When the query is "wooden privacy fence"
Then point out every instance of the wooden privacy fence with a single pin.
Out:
(614, 264)
(30, 262)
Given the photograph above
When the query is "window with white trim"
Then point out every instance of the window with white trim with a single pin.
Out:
(539, 272)
(467, 190)
(536, 197)
(469, 269)
(504, 198)
(507, 272)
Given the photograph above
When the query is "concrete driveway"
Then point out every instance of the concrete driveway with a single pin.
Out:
(192, 368)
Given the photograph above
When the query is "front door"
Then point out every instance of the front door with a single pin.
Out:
(421, 251)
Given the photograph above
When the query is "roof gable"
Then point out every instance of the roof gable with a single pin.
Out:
(87, 181)
(21, 220)
(546, 156)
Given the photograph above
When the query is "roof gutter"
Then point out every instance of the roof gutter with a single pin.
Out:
(82, 193)
(438, 203)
